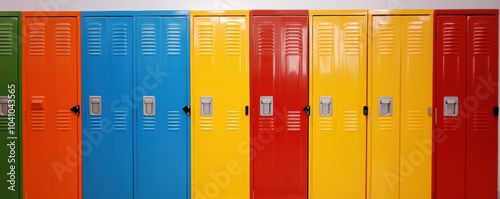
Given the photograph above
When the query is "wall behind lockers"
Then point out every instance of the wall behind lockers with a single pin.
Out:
(55, 5)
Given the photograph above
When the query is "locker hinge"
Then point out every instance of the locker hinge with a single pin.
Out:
(495, 111)
(187, 110)
(365, 110)
(246, 110)
(307, 110)
(76, 109)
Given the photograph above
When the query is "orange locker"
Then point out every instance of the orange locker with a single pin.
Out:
(51, 98)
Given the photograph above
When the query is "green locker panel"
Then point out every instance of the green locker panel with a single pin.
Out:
(10, 105)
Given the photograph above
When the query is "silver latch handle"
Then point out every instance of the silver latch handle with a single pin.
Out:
(206, 106)
(450, 106)
(4, 105)
(95, 105)
(325, 106)
(266, 105)
(149, 105)
(385, 106)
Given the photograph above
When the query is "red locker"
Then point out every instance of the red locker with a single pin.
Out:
(51, 98)
(279, 102)
(465, 101)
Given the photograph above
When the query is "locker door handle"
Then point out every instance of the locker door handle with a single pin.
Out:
(266, 105)
(385, 106)
(4, 105)
(206, 106)
(95, 105)
(149, 105)
(75, 110)
(450, 106)
(325, 106)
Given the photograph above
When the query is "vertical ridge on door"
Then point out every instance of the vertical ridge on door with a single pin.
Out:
(482, 125)
(107, 136)
(51, 88)
(10, 100)
(449, 134)
(161, 136)
(385, 82)
(338, 149)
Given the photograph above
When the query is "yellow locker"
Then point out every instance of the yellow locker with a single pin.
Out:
(220, 135)
(400, 92)
(337, 163)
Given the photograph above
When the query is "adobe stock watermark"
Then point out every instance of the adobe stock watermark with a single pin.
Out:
(226, 4)
(424, 150)
(93, 138)
(233, 168)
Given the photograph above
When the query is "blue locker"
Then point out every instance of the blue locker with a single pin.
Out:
(162, 83)
(136, 73)
(107, 140)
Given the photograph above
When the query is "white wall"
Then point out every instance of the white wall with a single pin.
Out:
(55, 5)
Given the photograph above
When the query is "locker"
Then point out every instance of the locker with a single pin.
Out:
(279, 102)
(150, 88)
(400, 97)
(10, 104)
(337, 138)
(466, 130)
(107, 106)
(220, 141)
(51, 101)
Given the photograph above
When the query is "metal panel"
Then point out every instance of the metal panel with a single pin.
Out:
(161, 149)
(10, 119)
(280, 69)
(416, 107)
(51, 91)
(449, 132)
(338, 141)
(482, 92)
(108, 138)
(384, 72)
(220, 141)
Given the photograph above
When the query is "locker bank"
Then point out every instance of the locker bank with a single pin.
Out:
(249, 104)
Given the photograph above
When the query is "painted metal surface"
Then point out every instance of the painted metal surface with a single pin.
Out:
(482, 92)
(107, 63)
(337, 142)
(466, 66)
(449, 131)
(151, 87)
(51, 94)
(279, 70)
(400, 139)
(220, 141)
(10, 102)
(162, 138)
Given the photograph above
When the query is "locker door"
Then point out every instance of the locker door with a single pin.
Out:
(161, 86)
(51, 90)
(338, 136)
(107, 107)
(385, 104)
(10, 102)
(280, 137)
(482, 125)
(220, 126)
(449, 133)
(416, 107)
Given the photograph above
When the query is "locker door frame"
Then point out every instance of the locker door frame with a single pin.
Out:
(438, 13)
(319, 13)
(77, 16)
(284, 13)
(372, 110)
(135, 52)
(19, 101)
(212, 13)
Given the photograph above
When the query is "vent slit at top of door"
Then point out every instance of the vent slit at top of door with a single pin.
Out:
(6, 40)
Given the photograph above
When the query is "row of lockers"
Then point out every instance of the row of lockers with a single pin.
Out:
(249, 104)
